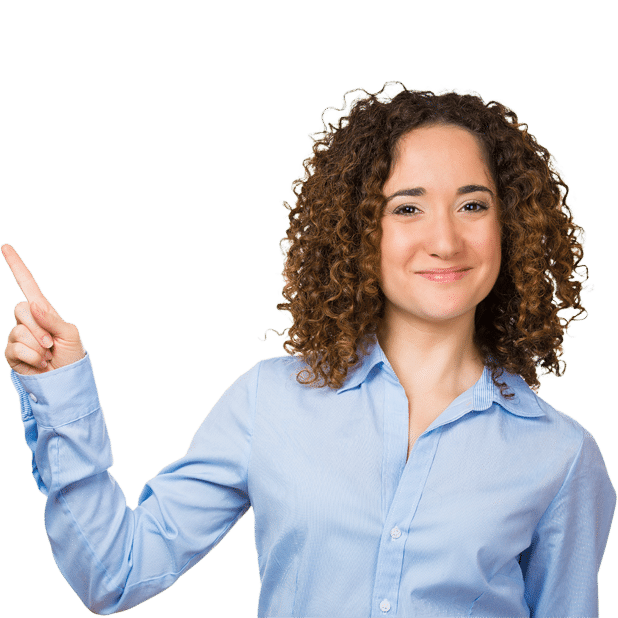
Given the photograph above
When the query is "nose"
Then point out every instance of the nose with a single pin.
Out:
(444, 239)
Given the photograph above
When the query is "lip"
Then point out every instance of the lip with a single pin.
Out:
(444, 275)
(452, 269)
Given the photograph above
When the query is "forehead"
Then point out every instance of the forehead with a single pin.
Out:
(437, 153)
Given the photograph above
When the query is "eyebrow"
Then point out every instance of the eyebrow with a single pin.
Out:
(417, 191)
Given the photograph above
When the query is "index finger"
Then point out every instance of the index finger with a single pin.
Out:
(22, 275)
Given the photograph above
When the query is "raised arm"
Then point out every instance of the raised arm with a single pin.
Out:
(115, 557)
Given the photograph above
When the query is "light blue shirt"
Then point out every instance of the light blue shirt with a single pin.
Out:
(502, 509)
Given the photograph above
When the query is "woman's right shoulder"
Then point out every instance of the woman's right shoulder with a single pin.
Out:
(280, 369)
(270, 372)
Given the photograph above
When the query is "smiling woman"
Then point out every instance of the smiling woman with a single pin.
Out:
(333, 267)
(399, 461)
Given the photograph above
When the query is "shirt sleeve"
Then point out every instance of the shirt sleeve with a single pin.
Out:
(561, 566)
(112, 556)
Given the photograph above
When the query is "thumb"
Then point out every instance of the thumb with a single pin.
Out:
(49, 320)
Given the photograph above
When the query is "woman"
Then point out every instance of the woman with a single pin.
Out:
(399, 464)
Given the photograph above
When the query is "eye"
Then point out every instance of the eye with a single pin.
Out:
(474, 207)
(406, 209)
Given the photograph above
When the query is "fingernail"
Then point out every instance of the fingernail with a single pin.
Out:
(46, 341)
(43, 365)
(48, 356)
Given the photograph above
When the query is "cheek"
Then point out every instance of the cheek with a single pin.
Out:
(396, 245)
(489, 247)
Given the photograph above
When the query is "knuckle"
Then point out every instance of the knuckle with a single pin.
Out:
(12, 351)
(17, 333)
(22, 310)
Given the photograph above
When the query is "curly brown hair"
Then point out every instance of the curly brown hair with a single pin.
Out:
(332, 268)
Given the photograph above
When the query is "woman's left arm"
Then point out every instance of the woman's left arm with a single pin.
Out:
(561, 565)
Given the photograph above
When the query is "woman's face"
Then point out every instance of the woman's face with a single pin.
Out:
(440, 250)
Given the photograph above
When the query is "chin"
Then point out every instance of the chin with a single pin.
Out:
(442, 314)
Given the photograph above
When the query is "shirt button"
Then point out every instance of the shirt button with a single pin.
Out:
(385, 605)
(395, 532)
(33, 397)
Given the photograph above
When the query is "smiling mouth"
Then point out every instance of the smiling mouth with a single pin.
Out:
(444, 275)
(439, 271)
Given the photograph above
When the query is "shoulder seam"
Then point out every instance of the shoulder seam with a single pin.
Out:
(568, 474)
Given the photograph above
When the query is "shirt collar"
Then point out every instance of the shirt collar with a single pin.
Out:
(359, 373)
(483, 394)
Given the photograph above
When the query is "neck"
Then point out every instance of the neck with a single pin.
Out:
(431, 357)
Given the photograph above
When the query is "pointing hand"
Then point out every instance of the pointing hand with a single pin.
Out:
(37, 320)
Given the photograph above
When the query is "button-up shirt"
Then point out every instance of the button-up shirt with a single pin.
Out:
(503, 507)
